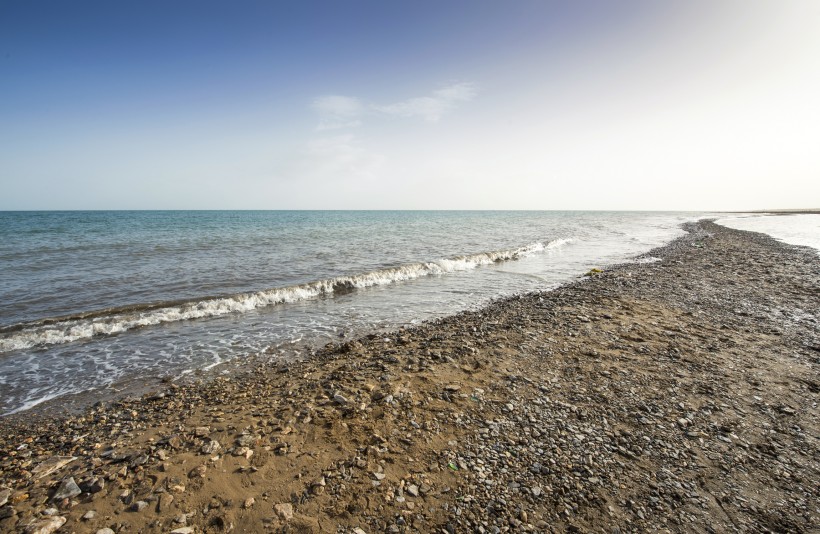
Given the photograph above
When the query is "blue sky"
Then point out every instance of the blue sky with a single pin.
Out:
(387, 105)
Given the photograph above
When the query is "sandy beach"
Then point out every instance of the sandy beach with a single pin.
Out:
(676, 394)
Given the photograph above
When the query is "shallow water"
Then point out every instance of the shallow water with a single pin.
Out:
(93, 299)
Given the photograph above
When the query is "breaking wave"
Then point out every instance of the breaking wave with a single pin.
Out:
(70, 328)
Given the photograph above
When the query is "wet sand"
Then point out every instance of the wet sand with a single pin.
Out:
(676, 395)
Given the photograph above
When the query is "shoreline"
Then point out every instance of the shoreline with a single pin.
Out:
(678, 395)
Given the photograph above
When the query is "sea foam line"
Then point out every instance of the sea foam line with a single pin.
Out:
(58, 330)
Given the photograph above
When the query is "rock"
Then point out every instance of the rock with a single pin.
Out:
(141, 459)
(284, 511)
(338, 398)
(4, 496)
(89, 515)
(248, 502)
(183, 530)
(67, 490)
(318, 486)
(105, 531)
(95, 485)
(198, 472)
(202, 431)
(45, 526)
(412, 490)
(536, 490)
(164, 502)
(247, 440)
(7, 511)
(48, 512)
(51, 465)
(358, 530)
(452, 387)
(211, 447)
(139, 506)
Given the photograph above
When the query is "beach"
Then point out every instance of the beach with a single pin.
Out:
(678, 394)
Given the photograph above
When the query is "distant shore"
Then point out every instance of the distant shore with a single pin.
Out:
(679, 393)
(780, 212)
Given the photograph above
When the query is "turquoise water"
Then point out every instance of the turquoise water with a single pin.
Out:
(92, 300)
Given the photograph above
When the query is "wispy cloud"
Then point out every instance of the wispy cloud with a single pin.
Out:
(338, 111)
(431, 108)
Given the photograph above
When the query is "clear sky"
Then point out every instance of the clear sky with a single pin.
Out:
(692, 105)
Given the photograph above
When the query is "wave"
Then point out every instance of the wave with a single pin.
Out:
(65, 329)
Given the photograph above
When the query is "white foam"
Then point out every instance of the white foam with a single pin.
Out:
(66, 331)
(30, 403)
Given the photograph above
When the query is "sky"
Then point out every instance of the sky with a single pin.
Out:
(696, 105)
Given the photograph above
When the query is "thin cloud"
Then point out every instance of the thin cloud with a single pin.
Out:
(337, 111)
(431, 108)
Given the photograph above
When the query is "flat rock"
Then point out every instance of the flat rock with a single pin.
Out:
(51, 465)
(164, 502)
(46, 526)
(67, 490)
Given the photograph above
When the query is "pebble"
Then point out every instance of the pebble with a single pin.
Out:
(284, 511)
(139, 506)
(211, 447)
(198, 471)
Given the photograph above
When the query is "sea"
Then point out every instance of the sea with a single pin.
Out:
(93, 302)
